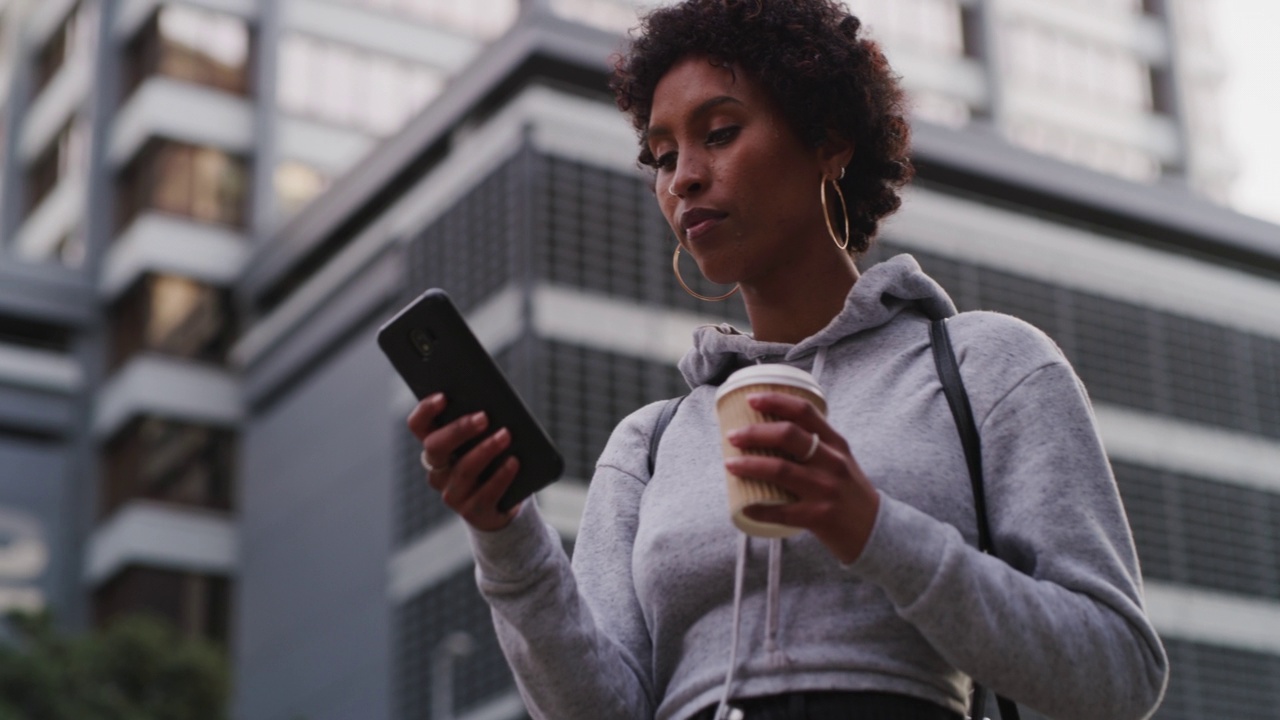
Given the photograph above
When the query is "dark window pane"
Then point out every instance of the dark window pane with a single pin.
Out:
(198, 182)
(172, 315)
(169, 461)
(193, 45)
(196, 604)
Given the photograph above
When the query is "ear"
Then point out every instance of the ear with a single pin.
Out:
(834, 154)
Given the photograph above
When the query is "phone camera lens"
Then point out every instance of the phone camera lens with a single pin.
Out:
(421, 341)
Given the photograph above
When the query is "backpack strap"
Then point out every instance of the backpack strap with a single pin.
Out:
(664, 419)
(953, 387)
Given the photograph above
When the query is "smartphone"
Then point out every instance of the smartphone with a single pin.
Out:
(433, 350)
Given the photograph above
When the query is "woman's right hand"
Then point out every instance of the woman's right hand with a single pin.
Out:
(458, 481)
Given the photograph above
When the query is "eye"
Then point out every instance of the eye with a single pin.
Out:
(665, 161)
(722, 136)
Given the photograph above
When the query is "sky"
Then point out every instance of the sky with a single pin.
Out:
(1246, 37)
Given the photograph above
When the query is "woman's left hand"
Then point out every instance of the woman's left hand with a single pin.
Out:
(835, 500)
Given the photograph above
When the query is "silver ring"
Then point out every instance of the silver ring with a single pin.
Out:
(813, 449)
(672, 192)
(426, 464)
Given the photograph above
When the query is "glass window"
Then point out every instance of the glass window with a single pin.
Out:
(386, 108)
(341, 85)
(929, 26)
(169, 461)
(297, 64)
(193, 45)
(203, 183)
(343, 71)
(1047, 60)
(63, 158)
(174, 316)
(297, 185)
(196, 604)
(612, 15)
(1083, 149)
(482, 20)
(70, 38)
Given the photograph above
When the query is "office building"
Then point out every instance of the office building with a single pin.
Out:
(147, 147)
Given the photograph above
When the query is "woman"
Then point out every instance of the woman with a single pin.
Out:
(764, 122)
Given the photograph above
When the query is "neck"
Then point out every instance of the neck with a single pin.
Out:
(791, 308)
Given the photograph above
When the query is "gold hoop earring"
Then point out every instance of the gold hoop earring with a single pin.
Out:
(826, 212)
(675, 265)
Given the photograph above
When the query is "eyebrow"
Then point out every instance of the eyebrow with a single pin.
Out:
(703, 108)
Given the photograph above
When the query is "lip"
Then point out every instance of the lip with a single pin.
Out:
(699, 221)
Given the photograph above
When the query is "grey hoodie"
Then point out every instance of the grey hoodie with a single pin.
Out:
(641, 625)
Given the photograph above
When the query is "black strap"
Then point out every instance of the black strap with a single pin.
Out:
(953, 387)
(664, 419)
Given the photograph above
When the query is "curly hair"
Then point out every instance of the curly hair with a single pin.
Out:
(810, 58)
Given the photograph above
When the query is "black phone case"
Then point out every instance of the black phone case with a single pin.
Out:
(433, 350)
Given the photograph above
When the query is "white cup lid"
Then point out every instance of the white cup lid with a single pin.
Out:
(773, 373)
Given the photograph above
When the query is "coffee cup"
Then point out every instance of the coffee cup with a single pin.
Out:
(735, 412)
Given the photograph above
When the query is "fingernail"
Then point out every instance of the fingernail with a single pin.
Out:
(478, 420)
(502, 435)
(435, 398)
(735, 436)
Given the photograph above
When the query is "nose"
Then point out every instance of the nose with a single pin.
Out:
(690, 177)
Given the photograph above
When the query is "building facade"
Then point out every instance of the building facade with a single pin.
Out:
(146, 147)
(194, 417)
(518, 193)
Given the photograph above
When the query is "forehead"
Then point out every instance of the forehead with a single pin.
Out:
(693, 80)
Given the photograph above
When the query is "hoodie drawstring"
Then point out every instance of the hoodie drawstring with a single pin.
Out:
(819, 363)
(776, 655)
(739, 573)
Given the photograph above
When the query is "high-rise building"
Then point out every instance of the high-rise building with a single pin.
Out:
(146, 148)
(194, 417)
(1126, 87)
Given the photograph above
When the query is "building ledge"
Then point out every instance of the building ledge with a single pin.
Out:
(133, 13)
(168, 387)
(153, 534)
(57, 103)
(176, 110)
(167, 243)
(56, 215)
(1214, 617)
(39, 369)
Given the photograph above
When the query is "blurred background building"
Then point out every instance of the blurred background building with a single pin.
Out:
(208, 206)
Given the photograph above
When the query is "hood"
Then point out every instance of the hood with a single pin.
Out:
(882, 292)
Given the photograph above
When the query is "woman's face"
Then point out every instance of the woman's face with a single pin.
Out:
(736, 184)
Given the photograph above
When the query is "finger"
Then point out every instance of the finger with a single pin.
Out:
(465, 474)
(484, 501)
(800, 480)
(421, 420)
(781, 406)
(800, 444)
(443, 442)
(799, 411)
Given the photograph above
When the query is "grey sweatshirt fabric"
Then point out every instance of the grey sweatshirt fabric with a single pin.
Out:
(640, 625)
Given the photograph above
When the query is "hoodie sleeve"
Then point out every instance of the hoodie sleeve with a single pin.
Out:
(574, 636)
(1056, 622)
